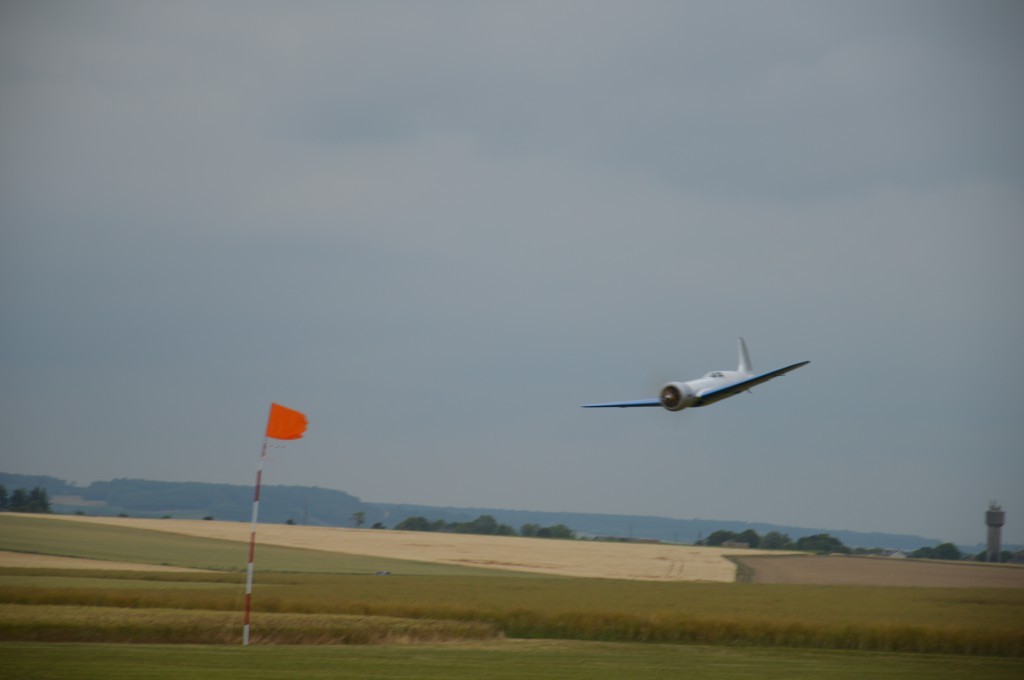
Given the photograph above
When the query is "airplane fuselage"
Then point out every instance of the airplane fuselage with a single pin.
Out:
(713, 387)
(716, 379)
(675, 396)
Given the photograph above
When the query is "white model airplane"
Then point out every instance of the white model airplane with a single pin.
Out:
(715, 386)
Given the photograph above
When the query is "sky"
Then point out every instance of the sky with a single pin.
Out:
(438, 228)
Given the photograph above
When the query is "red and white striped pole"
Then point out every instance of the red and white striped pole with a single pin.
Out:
(282, 423)
(252, 545)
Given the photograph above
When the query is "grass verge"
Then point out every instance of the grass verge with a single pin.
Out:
(498, 660)
(744, 572)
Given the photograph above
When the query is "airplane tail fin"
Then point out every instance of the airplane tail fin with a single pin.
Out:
(744, 364)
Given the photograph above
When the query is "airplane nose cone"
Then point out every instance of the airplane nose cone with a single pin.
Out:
(670, 397)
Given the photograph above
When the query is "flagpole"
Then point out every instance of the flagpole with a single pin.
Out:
(252, 545)
(282, 423)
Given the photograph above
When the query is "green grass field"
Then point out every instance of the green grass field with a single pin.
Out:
(502, 660)
(492, 624)
(122, 544)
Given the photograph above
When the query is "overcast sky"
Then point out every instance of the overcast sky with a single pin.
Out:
(437, 228)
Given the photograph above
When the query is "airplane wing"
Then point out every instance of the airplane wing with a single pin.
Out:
(729, 390)
(625, 404)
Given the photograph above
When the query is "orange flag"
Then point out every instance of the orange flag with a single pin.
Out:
(284, 423)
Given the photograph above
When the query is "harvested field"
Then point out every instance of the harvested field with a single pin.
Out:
(33, 561)
(648, 562)
(873, 571)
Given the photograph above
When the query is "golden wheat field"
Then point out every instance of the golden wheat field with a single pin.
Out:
(590, 559)
(586, 559)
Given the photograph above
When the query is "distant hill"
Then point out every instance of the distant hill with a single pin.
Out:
(52, 485)
(194, 500)
(317, 506)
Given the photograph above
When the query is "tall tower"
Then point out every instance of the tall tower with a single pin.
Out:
(994, 518)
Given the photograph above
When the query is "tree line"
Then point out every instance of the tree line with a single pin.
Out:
(485, 525)
(24, 500)
(773, 540)
(948, 551)
(825, 544)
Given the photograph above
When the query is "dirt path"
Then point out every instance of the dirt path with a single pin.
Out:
(649, 562)
(877, 571)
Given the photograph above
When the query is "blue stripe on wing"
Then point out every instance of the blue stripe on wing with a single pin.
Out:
(625, 404)
(736, 388)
